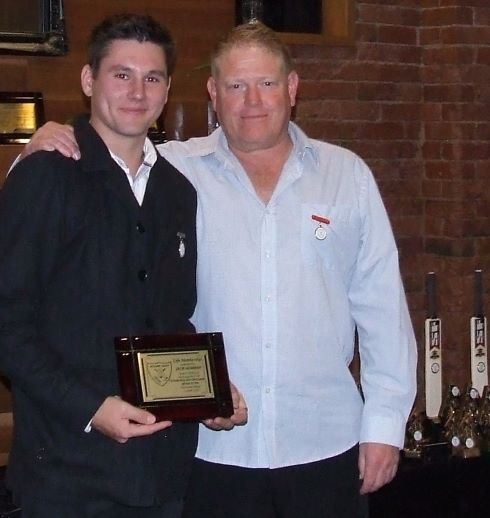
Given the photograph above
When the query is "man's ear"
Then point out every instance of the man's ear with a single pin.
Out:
(293, 81)
(86, 79)
(212, 91)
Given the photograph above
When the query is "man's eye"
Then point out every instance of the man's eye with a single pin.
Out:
(152, 79)
(121, 75)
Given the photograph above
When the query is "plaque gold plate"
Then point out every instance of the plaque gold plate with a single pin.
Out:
(21, 114)
(181, 377)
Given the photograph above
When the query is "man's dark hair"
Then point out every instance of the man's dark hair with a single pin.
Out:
(137, 27)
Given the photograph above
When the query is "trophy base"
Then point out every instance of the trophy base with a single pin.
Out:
(467, 453)
(429, 452)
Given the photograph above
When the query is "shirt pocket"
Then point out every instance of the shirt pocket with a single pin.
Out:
(334, 251)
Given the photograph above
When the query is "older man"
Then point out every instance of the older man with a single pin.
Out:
(295, 253)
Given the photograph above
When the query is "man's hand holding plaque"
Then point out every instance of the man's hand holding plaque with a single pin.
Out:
(238, 418)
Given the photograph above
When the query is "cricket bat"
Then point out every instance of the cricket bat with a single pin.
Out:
(433, 342)
(478, 330)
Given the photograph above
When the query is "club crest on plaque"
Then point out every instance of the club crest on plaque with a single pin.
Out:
(160, 373)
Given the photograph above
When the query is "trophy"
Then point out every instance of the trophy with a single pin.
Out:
(449, 410)
(466, 435)
(484, 419)
(414, 436)
(423, 439)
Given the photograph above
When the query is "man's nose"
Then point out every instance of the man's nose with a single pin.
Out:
(137, 89)
(252, 95)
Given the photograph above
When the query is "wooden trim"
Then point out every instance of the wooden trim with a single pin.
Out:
(337, 26)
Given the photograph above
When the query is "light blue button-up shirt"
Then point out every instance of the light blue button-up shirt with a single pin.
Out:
(288, 303)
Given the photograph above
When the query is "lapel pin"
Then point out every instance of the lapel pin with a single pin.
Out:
(181, 237)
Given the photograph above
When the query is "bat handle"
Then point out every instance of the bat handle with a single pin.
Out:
(431, 288)
(478, 309)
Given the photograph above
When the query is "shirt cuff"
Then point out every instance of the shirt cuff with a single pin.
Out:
(383, 430)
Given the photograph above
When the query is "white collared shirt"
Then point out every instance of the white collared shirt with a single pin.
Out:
(288, 303)
(139, 181)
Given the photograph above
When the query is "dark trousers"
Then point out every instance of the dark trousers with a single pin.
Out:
(323, 489)
(41, 508)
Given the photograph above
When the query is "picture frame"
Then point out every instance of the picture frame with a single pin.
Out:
(38, 31)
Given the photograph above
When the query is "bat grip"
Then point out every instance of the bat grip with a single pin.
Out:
(431, 288)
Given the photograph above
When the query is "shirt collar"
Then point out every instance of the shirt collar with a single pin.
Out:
(217, 145)
(149, 158)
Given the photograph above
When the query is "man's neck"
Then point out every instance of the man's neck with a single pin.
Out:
(128, 149)
(132, 154)
(264, 167)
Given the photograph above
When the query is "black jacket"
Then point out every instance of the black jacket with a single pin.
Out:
(80, 263)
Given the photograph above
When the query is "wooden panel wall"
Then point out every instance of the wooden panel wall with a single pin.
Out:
(195, 24)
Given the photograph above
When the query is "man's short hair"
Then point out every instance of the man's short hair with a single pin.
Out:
(249, 35)
(129, 26)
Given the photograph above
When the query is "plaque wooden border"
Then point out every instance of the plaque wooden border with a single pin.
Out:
(127, 350)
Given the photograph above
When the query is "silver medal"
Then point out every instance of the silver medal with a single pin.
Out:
(320, 233)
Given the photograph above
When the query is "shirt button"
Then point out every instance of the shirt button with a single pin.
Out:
(268, 345)
(267, 390)
(142, 275)
(267, 255)
(268, 298)
(140, 227)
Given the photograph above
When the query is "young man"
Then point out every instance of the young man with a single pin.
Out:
(295, 253)
(92, 250)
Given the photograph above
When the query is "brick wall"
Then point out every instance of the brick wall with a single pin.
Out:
(412, 97)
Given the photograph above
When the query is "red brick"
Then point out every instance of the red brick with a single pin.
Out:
(468, 3)
(432, 150)
(453, 92)
(407, 226)
(449, 55)
(380, 131)
(445, 74)
(465, 112)
(366, 32)
(442, 16)
(389, 53)
(359, 111)
(401, 111)
(431, 188)
(469, 35)
(429, 35)
(483, 55)
(316, 109)
(400, 149)
(397, 34)
(327, 90)
(465, 150)
(433, 227)
(450, 246)
(395, 15)
(431, 112)
(482, 15)
(394, 3)
(443, 169)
